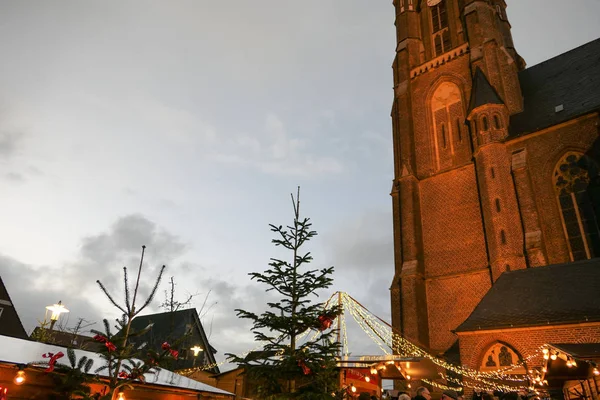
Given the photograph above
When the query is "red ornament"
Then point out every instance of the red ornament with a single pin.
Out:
(103, 339)
(304, 367)
(123, 375)
(3, 393)
(167, 346)
(325, 322)
(53, 358)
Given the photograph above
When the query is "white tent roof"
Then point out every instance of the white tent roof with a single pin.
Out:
(19, 351)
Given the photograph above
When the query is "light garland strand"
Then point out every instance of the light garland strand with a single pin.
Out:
(403, 346)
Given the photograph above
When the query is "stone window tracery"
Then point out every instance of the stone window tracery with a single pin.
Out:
(577, 187)
(499, 356)
(439, 28)
(447, 112)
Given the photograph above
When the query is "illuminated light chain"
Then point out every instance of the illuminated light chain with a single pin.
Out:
(345, 346)
(441, 386)
(404, 346)
(361, 323)
(487, 385)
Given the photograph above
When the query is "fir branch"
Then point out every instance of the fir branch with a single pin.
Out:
(154, 289)
(110, 297)
(126, 284)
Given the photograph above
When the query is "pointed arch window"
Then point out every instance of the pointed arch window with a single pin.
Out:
(496, 122)
(484, 122)
(577, 187)
(500, 355)
(439, 28)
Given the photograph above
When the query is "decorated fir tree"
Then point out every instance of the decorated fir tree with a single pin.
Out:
(298, 356)
(124, 362)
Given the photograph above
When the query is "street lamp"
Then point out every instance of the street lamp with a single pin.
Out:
(56, 309)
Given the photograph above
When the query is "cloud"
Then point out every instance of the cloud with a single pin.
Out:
(9, 142)
(363, 243)
(275, 151)
(101, 257)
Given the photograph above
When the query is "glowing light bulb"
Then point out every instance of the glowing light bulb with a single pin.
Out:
(353, 389)
(573, 363)
(569, 363)
(121, 396)
(373, 371)
(545, 350)
(367, 379)
(409, 386)
(20, 377)
(553, 356)
(546, 356)
(408, 377)
(544, 370)
(596, 372)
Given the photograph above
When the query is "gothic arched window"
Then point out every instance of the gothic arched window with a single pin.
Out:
(447, 112)
(496, 122)
(439, 28)
(500, 356)
(577, 186)
(484, 122)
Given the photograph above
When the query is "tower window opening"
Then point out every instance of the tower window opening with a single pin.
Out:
(484, 122)
(496, 122)
(498, 205)
(492, 172)
(458, 130)
(444, 142)
(439, 28)
(502, 236)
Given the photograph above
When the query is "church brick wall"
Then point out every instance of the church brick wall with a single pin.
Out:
(450, 301)
(453, 239)
(525, 341)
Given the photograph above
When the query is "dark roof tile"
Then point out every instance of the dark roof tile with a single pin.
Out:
(555, 294)
(570, 80)
(483, 92)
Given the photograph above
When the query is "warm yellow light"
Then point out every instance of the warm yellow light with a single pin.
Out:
(20, 377)
(56, 309)
(373, 371)
(573, 363)
(409, 386)
(408, 377)
(596, 372)
(545, 350)
(353, 388)
(389, 362)
(121, 396)
(569, 363)
(544, 370)
(546, 356)
(553, 356)
(367, 379)
(196, 349)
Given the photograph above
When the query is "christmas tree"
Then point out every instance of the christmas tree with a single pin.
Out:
(298, 357)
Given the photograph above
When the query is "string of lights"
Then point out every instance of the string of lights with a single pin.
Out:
(403, 346)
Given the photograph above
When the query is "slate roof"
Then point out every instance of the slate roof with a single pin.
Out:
(483, 92)
(10, 323)
(555, 294)
(571, 79)
(171, 327)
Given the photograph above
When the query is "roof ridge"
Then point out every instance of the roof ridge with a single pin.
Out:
(541, 63)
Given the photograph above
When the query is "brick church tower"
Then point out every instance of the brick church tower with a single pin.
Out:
(457, 222)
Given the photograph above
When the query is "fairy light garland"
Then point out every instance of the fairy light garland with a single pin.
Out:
(403, 346)
(441, 386)
(384, 335)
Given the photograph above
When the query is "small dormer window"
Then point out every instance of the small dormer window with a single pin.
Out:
(496, 122)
